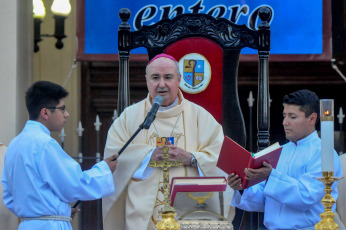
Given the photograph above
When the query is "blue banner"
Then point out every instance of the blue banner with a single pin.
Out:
(296, 26)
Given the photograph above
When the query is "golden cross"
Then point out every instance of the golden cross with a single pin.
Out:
(165, 164)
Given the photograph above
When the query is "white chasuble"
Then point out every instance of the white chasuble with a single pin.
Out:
(135, 203)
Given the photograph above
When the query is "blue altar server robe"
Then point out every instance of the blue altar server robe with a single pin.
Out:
(291, 197)
(40, 179)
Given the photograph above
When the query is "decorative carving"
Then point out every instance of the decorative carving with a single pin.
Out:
(222, 31)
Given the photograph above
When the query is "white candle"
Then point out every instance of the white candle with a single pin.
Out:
(327, 134)
(327, 137)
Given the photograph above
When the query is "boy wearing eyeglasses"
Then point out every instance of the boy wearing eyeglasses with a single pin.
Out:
(40, 179)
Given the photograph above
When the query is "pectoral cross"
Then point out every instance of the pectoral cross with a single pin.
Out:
(165, 164)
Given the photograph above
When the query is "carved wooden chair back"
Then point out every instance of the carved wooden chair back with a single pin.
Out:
(199, 42)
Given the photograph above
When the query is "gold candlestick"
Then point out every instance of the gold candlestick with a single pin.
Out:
(327, 217)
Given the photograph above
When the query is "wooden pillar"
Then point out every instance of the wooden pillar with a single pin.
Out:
(124, 40)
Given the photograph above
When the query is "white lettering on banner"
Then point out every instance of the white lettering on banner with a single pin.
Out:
(148, 12)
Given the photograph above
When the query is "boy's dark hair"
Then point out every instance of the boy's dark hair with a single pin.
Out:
(43, 94)
(307, 100)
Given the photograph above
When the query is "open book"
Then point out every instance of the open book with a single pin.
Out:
(234, 159)
(197, 184)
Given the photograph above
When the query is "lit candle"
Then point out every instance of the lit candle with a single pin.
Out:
(327, 134)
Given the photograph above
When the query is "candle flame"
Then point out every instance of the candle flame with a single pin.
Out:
(326, 113)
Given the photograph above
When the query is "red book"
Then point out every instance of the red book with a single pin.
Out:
(197, 184)
(234, 159)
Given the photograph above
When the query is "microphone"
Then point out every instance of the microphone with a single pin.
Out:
(152, 114)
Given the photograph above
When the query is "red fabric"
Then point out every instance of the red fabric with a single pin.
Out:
(211, 97)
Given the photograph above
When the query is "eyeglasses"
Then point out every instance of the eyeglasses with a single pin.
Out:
(62, 108)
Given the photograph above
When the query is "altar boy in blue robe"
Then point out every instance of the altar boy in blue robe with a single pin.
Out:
(291, 196)
(40, 179)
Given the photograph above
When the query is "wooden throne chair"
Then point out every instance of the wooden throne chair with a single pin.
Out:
(215, 42)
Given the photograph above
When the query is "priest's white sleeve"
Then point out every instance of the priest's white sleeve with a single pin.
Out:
(144, 171)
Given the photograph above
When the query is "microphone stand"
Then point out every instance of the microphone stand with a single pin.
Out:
(129, 141)
(141, 126)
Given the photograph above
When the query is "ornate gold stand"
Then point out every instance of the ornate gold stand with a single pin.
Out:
(168, 222)
(167, 212)
(327, 217)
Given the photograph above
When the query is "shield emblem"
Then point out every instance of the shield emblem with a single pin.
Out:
(193, 71)
(162, 141)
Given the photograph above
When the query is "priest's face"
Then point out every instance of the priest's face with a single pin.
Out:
(296, 125)
(163, 79)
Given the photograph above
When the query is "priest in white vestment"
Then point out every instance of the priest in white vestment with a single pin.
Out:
(197, 142)
(7, 219)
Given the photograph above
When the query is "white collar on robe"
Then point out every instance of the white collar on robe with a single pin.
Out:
(172, 111)
(164, 108)
(307, 139)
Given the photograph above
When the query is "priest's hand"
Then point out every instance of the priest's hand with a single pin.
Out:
(234, 181)
(263, 172)
(111, 162)
(157, 154)
(176, 153)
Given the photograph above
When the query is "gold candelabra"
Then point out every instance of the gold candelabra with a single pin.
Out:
(327, 217)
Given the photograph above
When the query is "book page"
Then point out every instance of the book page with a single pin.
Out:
(267, 150)
(199, 181)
